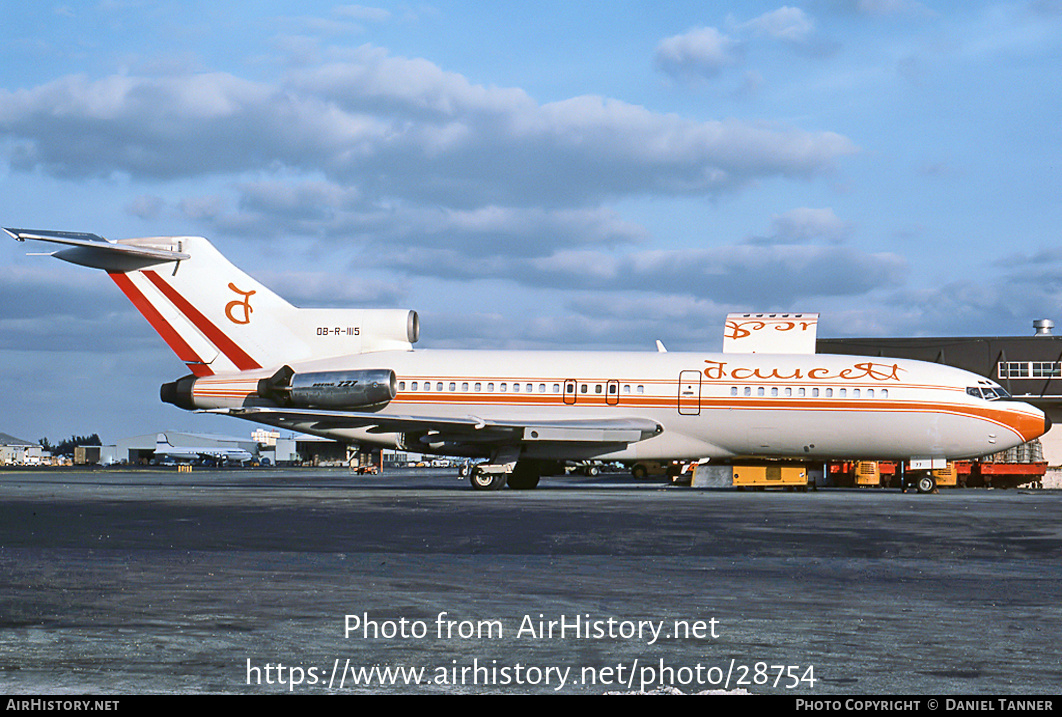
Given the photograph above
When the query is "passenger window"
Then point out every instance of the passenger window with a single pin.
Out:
(453, 386)
(438, 386)
(478, 387)
(401, 385)
(490, 387)
(829, 393)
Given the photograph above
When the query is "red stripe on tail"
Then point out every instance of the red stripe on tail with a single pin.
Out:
(226, 345)
(173, 339)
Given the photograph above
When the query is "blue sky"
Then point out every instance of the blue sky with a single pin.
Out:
(527, 174)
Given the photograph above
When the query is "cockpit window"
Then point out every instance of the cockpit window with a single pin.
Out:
(989, 393)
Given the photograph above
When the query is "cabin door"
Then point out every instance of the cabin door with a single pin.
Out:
(689, 393)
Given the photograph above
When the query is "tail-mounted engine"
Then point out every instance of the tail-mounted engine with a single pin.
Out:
(361, 388)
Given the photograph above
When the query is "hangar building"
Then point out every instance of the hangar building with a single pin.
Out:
(16, 452)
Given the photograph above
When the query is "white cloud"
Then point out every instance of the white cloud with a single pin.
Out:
(397, 127)
(397, 164)
(698, 53)
(806, 224)
(786, 23)
(891, 7)
(67, 305)
(363, 12)
(324, 289)
(146, 207)
(766, 277)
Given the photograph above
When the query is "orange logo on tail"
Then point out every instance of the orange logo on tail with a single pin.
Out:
(245, 305)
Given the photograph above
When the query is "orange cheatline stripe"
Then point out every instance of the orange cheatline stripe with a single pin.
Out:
(226, 345)
(1027, 426)
(173, 339)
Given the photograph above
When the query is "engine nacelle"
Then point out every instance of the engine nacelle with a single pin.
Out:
(358, 388)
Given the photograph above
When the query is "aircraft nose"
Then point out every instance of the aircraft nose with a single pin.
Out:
(1022, 418)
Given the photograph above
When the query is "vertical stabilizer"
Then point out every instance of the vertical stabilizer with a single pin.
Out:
(218, 319)
(215, 317)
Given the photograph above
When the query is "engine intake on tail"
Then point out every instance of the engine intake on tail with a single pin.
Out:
(361, 388)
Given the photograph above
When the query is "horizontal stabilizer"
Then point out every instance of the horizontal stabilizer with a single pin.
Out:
(94, 251)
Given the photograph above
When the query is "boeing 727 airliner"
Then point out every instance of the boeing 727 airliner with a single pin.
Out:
(353, 375)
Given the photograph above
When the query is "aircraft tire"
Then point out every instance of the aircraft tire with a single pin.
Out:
(524, 477)
(639, 472)
(927, 484)
(486, 481)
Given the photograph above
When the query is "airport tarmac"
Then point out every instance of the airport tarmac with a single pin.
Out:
(317, 581)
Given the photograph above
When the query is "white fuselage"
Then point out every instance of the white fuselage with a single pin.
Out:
(709, 405)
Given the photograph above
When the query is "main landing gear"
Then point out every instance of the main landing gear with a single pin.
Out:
(519, 475)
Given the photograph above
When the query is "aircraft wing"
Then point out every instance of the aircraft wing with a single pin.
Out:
(470, 429)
